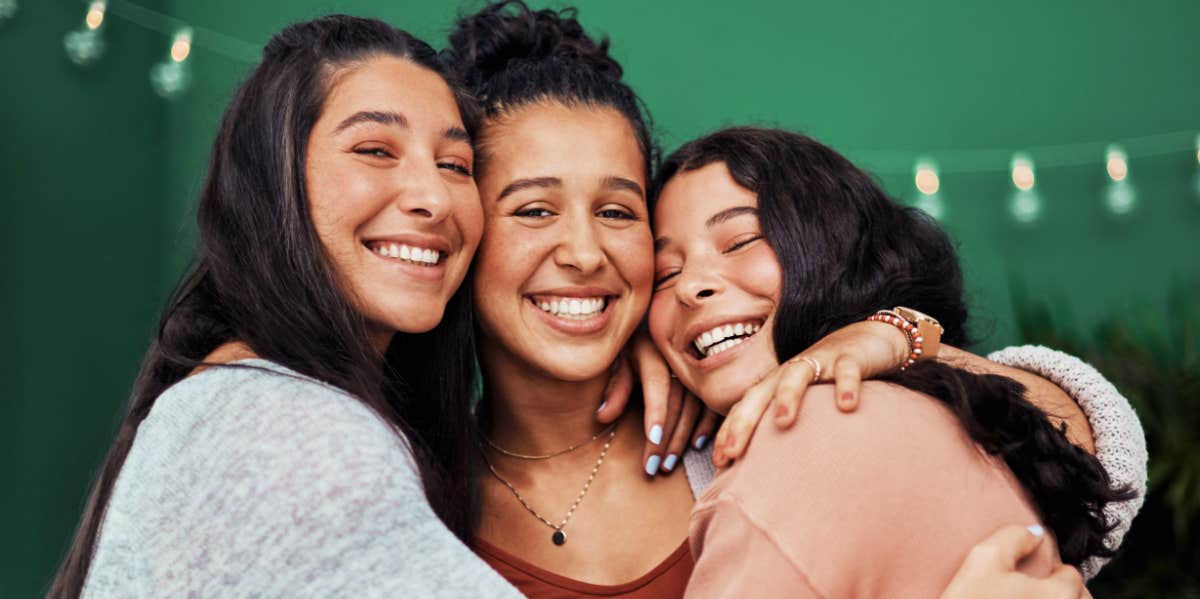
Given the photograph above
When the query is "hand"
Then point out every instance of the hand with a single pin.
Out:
(674, 418)
(990, 570)
(846, 356)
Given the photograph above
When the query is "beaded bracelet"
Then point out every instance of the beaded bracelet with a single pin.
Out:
(915, 340)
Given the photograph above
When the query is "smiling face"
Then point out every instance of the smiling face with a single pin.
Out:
(718, 284)
(388, 176)
(565, 269)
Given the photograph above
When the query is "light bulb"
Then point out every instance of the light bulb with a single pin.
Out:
(85, 45)
(926, 177)
(1116, 163)
(1022, 172)
(171, 77)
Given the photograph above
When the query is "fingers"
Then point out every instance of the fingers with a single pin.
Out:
(655, 377)
(742, 419)
(616, 393)
(1068, 584)
(688, 413)
(1009, 545)
(847, 376)
(654, 452)
(794, 378)
(706, 428)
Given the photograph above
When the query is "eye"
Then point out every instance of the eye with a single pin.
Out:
(375, 151)
(456, 167)
(533, 213)
(617, 214)
(737, 245)
(660, 281)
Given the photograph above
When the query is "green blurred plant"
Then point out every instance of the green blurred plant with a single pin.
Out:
(1154, 359)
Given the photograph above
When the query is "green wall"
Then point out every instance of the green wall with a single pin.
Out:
(100, 175)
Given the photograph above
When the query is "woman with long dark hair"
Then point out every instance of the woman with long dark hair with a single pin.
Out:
(305, 400)
(771, 232)
(564, 153)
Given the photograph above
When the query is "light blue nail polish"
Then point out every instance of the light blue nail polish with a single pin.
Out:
(700, 441)
(602, 404)
(1036, 530)
(669, 463)
(652, 465)
(656, 434)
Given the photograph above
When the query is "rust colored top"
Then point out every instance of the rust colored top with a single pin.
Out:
(666, 581)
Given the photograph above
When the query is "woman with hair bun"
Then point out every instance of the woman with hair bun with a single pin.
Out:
(562, 279)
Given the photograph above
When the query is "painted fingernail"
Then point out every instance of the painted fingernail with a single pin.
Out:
(601, 408)
(652, 465)
(781, 411)
(1036, 530)
(669, 463)
(656, 434)
(730, 441)
(700, 441)
(847, 397)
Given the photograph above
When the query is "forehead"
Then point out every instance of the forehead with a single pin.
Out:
(551, 139)
(388, 82)
(691, 197)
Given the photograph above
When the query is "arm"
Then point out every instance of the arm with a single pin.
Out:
(1119, 440)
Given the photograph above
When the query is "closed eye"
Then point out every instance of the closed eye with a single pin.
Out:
(458, 168)
(743, 243)
(663, 279)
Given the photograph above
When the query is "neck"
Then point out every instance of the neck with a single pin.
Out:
(531, 411)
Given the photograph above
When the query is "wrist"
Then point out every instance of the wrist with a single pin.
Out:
(895, 339)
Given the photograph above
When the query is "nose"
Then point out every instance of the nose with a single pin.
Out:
(424, 194)
(580, 248)
(696, 286)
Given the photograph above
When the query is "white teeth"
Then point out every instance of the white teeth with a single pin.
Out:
(411, 254)
(721, 338)
(572, 308)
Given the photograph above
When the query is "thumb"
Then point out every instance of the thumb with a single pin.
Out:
(1011, 544)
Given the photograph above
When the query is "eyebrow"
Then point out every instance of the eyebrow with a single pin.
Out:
(621, 183)
(536, 182)
(714, 220)
(387, 117)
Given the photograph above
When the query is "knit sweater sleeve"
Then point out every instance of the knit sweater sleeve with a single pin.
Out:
(1120, 441)
(256, 483)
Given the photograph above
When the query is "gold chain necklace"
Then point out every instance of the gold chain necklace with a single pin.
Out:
(558, 537)
(521, 456)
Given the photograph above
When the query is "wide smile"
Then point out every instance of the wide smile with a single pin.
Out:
(718, 344)
(416, 260)
(573, 314)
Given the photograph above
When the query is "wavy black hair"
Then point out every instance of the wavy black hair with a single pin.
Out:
(260, 276)
(510, 56)
(847, 250)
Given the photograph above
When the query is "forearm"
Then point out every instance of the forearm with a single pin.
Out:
(1058, 406)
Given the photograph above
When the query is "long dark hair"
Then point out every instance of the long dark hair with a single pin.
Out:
(510, 56)
(260, 276)
(847, 250)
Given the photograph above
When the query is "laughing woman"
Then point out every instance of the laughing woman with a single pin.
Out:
(308, 387)
(751, 227)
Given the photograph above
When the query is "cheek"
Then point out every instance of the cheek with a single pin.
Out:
(470, 218)
(632, 252)
(759, 273)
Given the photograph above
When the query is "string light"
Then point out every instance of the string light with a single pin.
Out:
(8, 10)
(1024, 204)
(925, 177)
(171, 77)
(1120, 197)
(85, 45)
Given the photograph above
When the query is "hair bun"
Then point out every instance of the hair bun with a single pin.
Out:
(484, 43)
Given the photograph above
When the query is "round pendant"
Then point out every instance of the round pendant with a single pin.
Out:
(559, 537)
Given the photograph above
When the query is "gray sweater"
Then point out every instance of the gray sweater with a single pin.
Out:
(259, 482)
